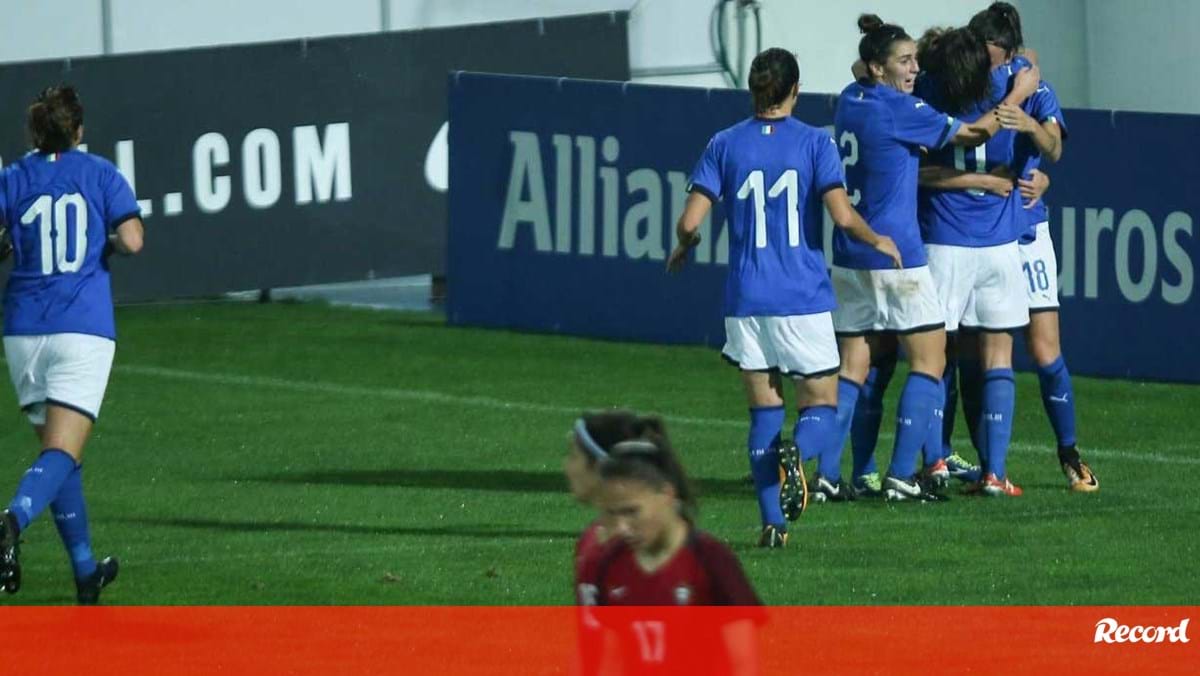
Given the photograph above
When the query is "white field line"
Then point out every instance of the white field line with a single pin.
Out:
(433, 397)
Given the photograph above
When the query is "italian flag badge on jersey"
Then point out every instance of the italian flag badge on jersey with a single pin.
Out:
(768, 129)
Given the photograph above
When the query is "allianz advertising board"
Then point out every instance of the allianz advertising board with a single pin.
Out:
(564, 195)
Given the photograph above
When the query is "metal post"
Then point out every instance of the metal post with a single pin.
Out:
(106, 43)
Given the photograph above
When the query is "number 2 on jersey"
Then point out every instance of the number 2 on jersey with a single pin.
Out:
(850, 141)
(753, 186)
(51, 215)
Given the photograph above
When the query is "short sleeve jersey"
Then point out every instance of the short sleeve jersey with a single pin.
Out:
(59, 209)
(770, 176)
(881, 132)
(973, 218)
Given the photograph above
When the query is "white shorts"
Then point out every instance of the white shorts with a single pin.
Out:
(66, 369)
(1040, 266)
(980, 287)
(798, 345)
(894, 301)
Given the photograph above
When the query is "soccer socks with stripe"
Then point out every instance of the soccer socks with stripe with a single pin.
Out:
(40, 485)
(999, 400)
(1059, 399)
(918, 399)
(70, 516)
(817, 428)
(868, 415)
(765, 425)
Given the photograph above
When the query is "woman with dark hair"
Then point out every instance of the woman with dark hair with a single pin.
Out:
(882, 129)
(65, 211)
(772, 173)
(659, 558)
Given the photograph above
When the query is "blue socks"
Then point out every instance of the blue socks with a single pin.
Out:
(864, 432)
(849, 392)
(934, 448)
(999, 397)
(817, 429)
(922, 393)
(70, 516)
(765, 425)
(1059, 399)
(949, 411)
(40, 484)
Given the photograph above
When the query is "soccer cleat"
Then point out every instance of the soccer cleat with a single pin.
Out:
(10, 552)
(936, 474)
(867, 485)
(87, 590)
(963, 470)
(1080, 477)
(793, 491)
(995, 487)
(824, 490)
(896, 489)
(773, 537)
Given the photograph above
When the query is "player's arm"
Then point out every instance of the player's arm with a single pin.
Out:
(998, 181)
(126, 238)
(1047, 136)
(1024, 85)
(848, 219)
(687, 229)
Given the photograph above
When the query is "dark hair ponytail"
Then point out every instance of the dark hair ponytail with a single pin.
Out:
(773, 75)
(54, 119)
(651, 459)
(1000, 25)
(878, 38)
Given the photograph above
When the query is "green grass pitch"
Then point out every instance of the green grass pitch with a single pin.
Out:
(304, 454)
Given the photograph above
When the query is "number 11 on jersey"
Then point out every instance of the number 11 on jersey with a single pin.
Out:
(753, 186)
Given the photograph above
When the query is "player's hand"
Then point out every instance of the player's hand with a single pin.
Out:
(1012, 117)
(887, 247)
(1026, 82)
(1034, 188)
(679, 255)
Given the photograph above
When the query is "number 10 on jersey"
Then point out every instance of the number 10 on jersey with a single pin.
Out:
(754, 186)
(51, 216)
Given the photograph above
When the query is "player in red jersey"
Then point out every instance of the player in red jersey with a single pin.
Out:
(660, 559)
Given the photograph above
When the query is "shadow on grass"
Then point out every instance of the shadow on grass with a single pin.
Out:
(516, 481)
(461, 531)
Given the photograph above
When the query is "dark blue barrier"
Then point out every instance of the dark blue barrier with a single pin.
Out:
(564, 195)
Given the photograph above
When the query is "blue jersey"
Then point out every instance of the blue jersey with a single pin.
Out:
(770, 176)
(973, 218)
(881, 131)
(59, 209)
(1043, 107)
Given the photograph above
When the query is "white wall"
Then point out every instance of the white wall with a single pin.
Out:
(1125, 54)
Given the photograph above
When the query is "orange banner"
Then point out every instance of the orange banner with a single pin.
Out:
(548, 640)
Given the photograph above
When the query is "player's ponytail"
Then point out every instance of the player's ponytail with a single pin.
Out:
(878, 38)
(774, 73)
(54, 119)
(999, 25)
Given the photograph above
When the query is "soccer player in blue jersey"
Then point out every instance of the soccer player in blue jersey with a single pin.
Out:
(772, 173)
(65, 211)
(971, 238)
(1041, 130)
(882, 129)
